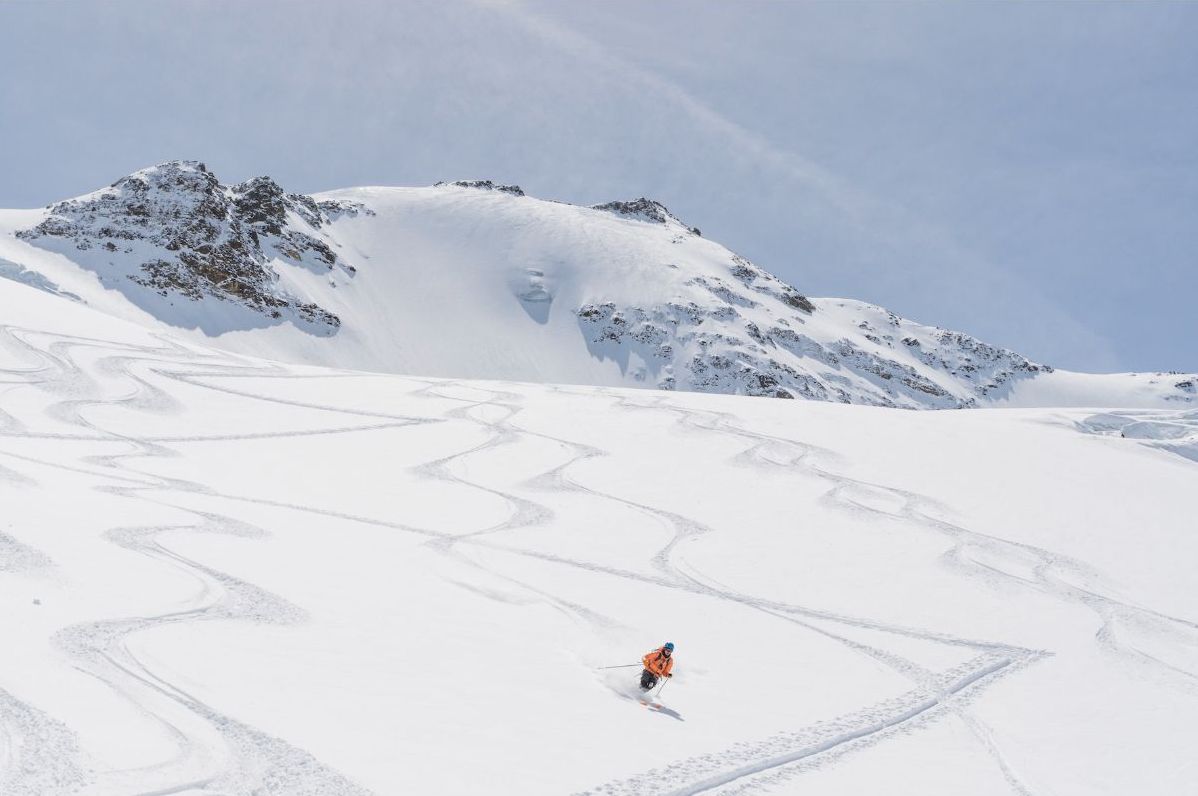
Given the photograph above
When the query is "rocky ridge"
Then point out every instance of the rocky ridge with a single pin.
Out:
(725, 352)
(176, 230)
(644, 210)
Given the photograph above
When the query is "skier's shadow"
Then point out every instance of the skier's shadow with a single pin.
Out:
(673, 714)
(638, 696)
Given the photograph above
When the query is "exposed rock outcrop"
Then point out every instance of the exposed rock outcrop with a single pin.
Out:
(174, 228)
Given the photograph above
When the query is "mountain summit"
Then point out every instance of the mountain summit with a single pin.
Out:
(477, 279)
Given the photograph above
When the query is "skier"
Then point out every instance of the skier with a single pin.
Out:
(658, 663)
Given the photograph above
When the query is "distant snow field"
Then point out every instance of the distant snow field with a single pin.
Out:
(229, 575)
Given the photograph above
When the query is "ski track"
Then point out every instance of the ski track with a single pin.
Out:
(38, 754)
(257, 762)
(16, 556)
(837, 736)
(684, 528)
(1052, 572)
(250, 760)
(670, 576)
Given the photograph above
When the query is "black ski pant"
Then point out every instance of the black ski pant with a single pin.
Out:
(648, 679)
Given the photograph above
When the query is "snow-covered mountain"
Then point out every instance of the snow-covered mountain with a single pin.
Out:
(474, 279)
(229, 570)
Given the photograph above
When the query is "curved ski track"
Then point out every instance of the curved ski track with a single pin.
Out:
(932, 693)
(218, 754)
(215, 753)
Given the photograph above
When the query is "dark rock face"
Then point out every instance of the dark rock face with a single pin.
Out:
(986, 366)
(764, 282)
(724, 363)
(486, 185)
(643, 210)
(333, 209)
(176, 230)
(744, 334)
(745, 362)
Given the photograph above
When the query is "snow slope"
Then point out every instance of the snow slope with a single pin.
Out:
(225, 575)
(477, 280)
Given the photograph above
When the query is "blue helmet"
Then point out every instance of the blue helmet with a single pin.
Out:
(669, 645)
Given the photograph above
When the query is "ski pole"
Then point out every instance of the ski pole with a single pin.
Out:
(621, 666)
(664, 680)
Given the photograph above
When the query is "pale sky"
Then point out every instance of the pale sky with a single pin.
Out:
(1027, 173)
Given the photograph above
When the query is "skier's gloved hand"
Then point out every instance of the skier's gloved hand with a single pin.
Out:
(669, 675)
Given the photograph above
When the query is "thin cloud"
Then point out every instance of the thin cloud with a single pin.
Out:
(890, 225)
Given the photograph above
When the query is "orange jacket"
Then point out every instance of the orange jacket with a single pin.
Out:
(658, 662)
